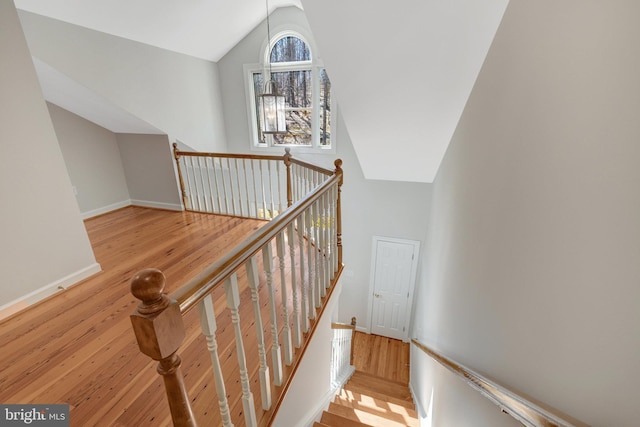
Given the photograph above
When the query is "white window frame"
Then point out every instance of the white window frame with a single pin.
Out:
(263, 67)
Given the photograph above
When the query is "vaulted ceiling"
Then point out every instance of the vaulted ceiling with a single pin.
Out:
(402, 71)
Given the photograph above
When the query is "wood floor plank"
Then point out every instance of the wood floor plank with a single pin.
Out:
(381, 356)
(78, 347)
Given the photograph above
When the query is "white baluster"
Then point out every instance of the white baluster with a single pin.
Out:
(270, 175)
(334, 231)
(297, 335)
(215, 180)
(286, 331)
(255, 191)
(282, 186)
(303, 277)
(276, 355)
(208, 160)
(324, 253)
(246, 187)
(233, 302)
(265, 384)
(317, 250)
(208, 325)
(264, 199)
(310, 260)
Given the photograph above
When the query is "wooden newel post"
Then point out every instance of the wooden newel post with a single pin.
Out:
(287, 163)
(338, 164)
(353, 341)
(183, 192)
(157, 323)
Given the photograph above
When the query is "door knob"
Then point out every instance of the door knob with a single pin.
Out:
(376, 295)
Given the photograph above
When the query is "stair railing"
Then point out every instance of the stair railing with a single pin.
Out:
(526, 410)
(342, 352)
(244, 185)
(308, 250)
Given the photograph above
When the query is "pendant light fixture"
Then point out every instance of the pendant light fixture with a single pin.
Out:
(270, 104)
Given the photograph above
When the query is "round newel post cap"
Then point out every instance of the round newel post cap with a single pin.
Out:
(339, 171)
(148, 285)
(287, 156)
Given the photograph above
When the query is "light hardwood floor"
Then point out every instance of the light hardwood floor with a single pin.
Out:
(381, 356)
(78, 347)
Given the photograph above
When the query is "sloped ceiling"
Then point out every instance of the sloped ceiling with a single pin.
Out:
(401, 71)
(205, 29)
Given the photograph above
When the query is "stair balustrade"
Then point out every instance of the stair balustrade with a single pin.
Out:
(342, 352)
(302, 203)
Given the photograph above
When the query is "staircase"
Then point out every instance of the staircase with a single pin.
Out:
(368, 400)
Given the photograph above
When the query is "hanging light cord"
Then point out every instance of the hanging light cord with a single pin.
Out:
(268, 39)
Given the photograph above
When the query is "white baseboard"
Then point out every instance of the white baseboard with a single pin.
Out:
(157, 205)
(105, 209)
(363, 329)
(416, 402)
(48, 290)
(130, 202)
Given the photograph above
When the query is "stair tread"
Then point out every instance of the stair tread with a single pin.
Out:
(405, 400)
(367, 375)
(388, 420)
(372, 404)
(336, 420)
(317, 424)
(381, 386)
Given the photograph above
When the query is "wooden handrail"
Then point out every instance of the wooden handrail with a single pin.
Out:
(312, 167)
(338, 325)
(528, 411)
(179, 153)
(202, 284)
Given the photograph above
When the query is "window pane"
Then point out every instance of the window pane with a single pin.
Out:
(325, 109)
(258, 87)
(298, 128)
(290, 49)
(296, 86)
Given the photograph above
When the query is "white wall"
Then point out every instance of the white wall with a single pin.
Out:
(310, 391)
(533, 256)
(92, 157)
(446, 400)
(44, 242)
(149, 169)
(175, 93)
(394, 209)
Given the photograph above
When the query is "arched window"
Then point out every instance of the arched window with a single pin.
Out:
(306, 88)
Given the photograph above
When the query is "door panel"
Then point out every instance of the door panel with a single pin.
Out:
(393, 277)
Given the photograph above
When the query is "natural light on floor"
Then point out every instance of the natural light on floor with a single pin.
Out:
(396, 414)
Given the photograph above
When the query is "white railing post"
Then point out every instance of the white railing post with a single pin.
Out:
(276, 355)
(233, 302)
(286, 332)
(297, 335)
(310, 260)
(303, 277)
(209, 327)
(265, 382)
